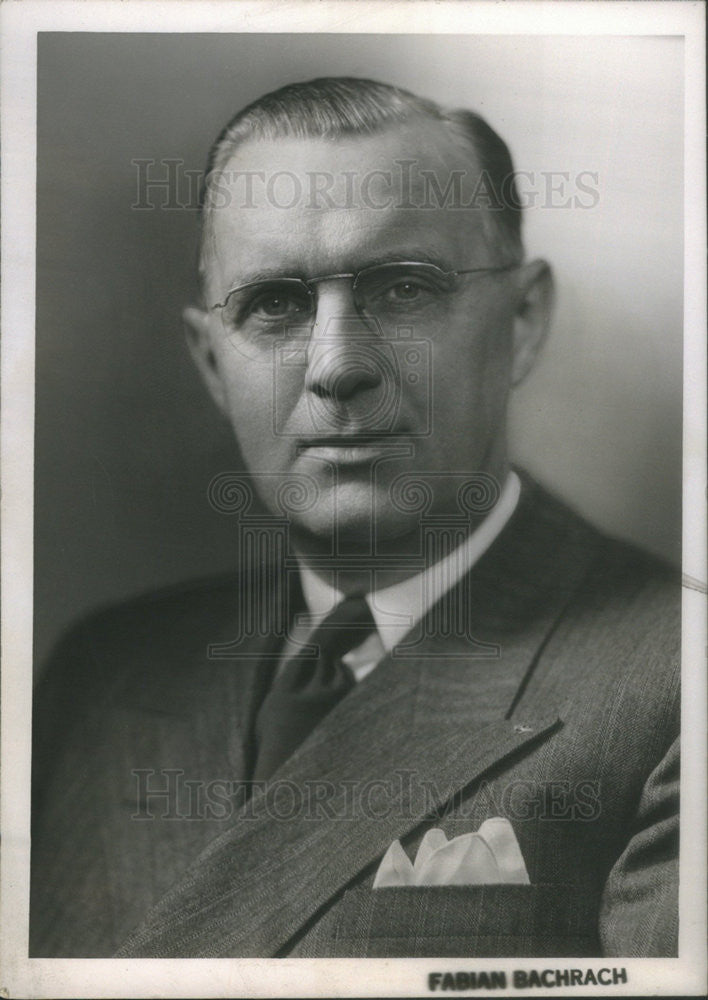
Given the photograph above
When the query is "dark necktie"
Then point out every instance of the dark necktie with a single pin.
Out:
(309, 686)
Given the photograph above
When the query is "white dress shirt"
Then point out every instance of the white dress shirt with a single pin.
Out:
(397, 608)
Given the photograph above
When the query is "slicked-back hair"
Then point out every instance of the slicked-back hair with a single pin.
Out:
(330, 107)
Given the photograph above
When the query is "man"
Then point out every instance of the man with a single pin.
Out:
(437, 713)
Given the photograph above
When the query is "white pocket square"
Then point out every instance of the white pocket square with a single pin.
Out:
(491, 855)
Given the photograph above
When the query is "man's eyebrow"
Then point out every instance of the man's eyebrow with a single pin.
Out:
(264, 275)
(412, 254)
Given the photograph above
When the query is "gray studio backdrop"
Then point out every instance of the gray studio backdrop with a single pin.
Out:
(126, 440)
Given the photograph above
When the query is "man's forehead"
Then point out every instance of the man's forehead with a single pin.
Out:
(318, 205)
(411, 160)
(432, 143)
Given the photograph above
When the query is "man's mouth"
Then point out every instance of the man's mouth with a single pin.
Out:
(348, 449)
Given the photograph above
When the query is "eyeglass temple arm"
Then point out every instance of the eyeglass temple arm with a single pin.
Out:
(485, 270)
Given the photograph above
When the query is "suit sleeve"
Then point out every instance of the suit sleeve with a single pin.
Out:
(639, 911)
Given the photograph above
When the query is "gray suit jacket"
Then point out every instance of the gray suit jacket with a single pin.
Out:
(558, 708)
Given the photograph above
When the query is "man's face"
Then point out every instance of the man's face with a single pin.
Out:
(343, 403)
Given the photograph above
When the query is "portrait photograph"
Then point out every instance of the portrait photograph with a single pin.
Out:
(353, 444)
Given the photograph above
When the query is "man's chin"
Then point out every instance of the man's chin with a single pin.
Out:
(360, 522)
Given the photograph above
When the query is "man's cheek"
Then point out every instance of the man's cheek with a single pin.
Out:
(250, 393)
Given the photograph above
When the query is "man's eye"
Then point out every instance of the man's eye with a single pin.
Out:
(410, 291)
(406, 291)
(278, 305)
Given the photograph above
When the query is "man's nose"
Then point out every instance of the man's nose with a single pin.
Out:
(343, 355)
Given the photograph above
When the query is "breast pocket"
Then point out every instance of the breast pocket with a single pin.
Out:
(481, 920)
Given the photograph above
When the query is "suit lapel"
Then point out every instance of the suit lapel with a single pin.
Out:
(427, 722)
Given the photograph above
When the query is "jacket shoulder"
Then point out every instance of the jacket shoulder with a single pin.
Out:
(165, 617)
(147, 640)
(624, 608)
(185, 602)
(612, 560)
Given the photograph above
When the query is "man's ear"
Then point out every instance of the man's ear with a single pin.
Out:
(198, 333)
(533, 316)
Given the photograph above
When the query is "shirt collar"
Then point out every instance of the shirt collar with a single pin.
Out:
(397, 608)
